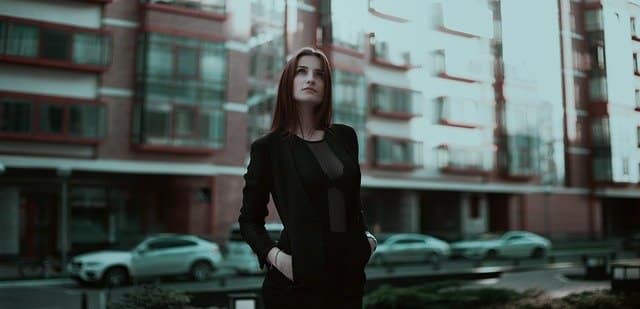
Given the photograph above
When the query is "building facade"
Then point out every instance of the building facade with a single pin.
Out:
(124, 118)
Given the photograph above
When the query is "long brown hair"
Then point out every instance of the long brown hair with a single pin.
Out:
(286, 118)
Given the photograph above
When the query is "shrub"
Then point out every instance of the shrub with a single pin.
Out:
(152, 296)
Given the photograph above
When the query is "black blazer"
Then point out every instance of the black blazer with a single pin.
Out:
(272, 170)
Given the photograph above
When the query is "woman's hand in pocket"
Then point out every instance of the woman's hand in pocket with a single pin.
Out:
(283, 264)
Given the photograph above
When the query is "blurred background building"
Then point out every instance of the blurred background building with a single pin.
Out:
(120, 118)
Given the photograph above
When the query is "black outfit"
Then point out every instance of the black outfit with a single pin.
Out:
(327, 224)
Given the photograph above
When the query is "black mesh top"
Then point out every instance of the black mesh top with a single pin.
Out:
(323, 171)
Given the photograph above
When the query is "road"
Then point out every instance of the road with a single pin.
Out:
(526, 274)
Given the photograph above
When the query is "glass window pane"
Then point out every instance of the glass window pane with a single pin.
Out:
(87, 48)
(158, 90)
(157, 123)
(3, 39)
(51, 118)
(187, 66)
(160, 60)
(186, 91)
(22, 40)
(15, 116)
(185, 120)
(86, 120)
(56, 44)
(212, 63)
(212, 127)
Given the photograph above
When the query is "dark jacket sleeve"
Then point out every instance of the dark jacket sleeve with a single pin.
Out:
(352, 140)
(255, 197)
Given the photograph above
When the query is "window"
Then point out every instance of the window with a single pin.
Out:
(597, 57)
(56, 44)
(15, 116)
(77, 46)
(625, 166)
(598, 89)
(51, 118)
(22, 40)
(637, 98)
(91, 48)
(212, 6)
(638, 136)
(392, 100)
(593, 20)
(183, 83)
(63, 118)
(636, 65)
(600, 131)
(86, 120)
(633, 26)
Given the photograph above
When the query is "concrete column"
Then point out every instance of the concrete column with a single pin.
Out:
(64, 174)
(9, 221)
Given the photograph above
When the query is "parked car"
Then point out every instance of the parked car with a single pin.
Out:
(509, 244)
(239, 255)
(399, 248)
(155, 256)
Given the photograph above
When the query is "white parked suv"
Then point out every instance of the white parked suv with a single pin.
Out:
(240, 257)
(157, 255)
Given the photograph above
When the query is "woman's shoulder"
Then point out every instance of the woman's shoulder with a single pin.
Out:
(267, 139)
(342, 128)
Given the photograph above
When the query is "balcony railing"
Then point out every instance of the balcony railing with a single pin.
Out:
(384, 55)
(519, 156)
(211, 6)
(460, 67)
(464, 160)
(463, 112)
(397, 153)
(394, 102)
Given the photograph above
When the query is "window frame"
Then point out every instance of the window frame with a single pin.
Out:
(69, 62)
(35, 131)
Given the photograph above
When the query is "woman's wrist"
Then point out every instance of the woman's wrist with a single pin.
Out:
(373, 238)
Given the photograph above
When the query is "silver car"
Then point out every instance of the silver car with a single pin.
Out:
(510, 244)
(239, 255)
(405, 248)
(157, 255)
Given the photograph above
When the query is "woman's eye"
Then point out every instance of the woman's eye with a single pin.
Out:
(300, 71)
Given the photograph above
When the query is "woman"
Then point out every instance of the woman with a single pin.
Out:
(310, 168)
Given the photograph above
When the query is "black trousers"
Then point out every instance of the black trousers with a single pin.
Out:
(278, 292)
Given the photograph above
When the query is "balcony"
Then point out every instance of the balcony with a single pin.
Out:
(519, 156)
(478, 23)
(393, 102)
(215, 9)
(397, 153)
(464, 160)
(51, 119)
(459, 67)
(463, 113)
(54, 45)
(383, 55)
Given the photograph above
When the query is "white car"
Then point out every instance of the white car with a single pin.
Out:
(510, 244)
(397, 248)
(239, 255)
(157, 255)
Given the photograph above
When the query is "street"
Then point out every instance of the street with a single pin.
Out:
(528, 273)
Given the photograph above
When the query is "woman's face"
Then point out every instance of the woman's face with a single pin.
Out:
(308, 83)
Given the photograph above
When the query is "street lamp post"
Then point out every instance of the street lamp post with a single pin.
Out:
(64, 173)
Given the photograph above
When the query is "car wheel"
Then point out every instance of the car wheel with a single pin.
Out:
(538, 253)
(201, 271)
(491, 254)
(115, 276)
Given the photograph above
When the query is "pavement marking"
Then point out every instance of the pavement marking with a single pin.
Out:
(34, 283)
(562, 278)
